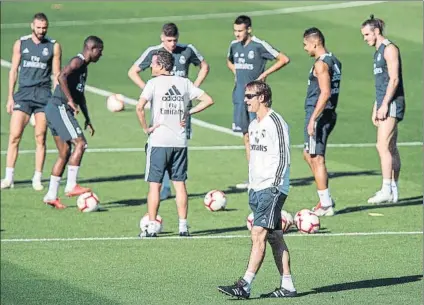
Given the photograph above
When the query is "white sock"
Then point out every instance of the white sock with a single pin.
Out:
(53, 187)
(182, 224)
(72, 177)
(394, 187)
(287, 282)
(248, 277)
(386, 188)
(166, 183)
(325, 199)
(394, 184)
(37, 176)
(9, 173)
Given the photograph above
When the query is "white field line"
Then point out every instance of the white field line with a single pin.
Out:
(211, 148)
(26, 240)
(288, 10)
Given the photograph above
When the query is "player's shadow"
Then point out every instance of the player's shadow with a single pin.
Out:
(382, 282)
(374, 283)
(125, 202)
(219, 231)
(418, 200)
(93, 180)
(332, 175)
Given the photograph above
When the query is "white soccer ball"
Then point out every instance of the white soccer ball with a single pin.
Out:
(144, 223)
(249, 221)
(286, 220)
(298, 214)
(215, 200)
(115, 103)
(88, 202)
(307, 221)
(32, 120)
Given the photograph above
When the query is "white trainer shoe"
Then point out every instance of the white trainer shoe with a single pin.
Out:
(36, 185)
(380, 197)
(165, 193)
(319, 210)
(6, 184)
(242, 186)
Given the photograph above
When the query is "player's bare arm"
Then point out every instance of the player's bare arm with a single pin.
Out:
(391, 55)
(281, 61)
(374, 115)
(84, 111)
(141, 114)
(13, 75)
(203, 72)
(57, 63)
(205, 102)
(322, 74)
(133, 74)
(75, 64)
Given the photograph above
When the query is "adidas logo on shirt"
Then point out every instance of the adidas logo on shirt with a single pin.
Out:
(25, 51)
(173, 95)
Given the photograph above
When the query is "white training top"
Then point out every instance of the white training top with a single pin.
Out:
(169, 96)
(269, 164)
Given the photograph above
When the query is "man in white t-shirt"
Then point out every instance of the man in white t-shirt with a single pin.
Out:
(169, 97)
(269, 171)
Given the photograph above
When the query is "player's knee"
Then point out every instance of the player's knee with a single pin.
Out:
(40, 139)
(80, 144)
(318, 160)
(258, 235)
(382, 146)
(14, 138)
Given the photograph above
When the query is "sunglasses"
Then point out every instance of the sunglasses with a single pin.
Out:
(250, 96)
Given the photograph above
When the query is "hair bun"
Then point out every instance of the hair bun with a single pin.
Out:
(372, 16)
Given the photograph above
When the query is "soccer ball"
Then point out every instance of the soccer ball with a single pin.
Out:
(249, 221)
(115, 103)
(307, 221)
(286, 220)
(144, 223)
(88, 202)
(298, 214)
(215, 200)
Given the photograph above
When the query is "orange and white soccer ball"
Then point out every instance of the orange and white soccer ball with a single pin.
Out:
(307, 221)
(215, 200)
(88, 202)
(115, 103)
(144, 223)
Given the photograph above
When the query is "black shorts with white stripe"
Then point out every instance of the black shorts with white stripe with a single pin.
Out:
(317, 144)
(62, 123)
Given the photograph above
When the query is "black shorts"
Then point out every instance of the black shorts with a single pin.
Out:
(266, 205)
(174, 160)
(317, 144)
(62, 123)
(396, 108)
(31, 100)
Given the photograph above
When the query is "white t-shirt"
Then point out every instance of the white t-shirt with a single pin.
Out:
(269, 164)
(169, 96)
